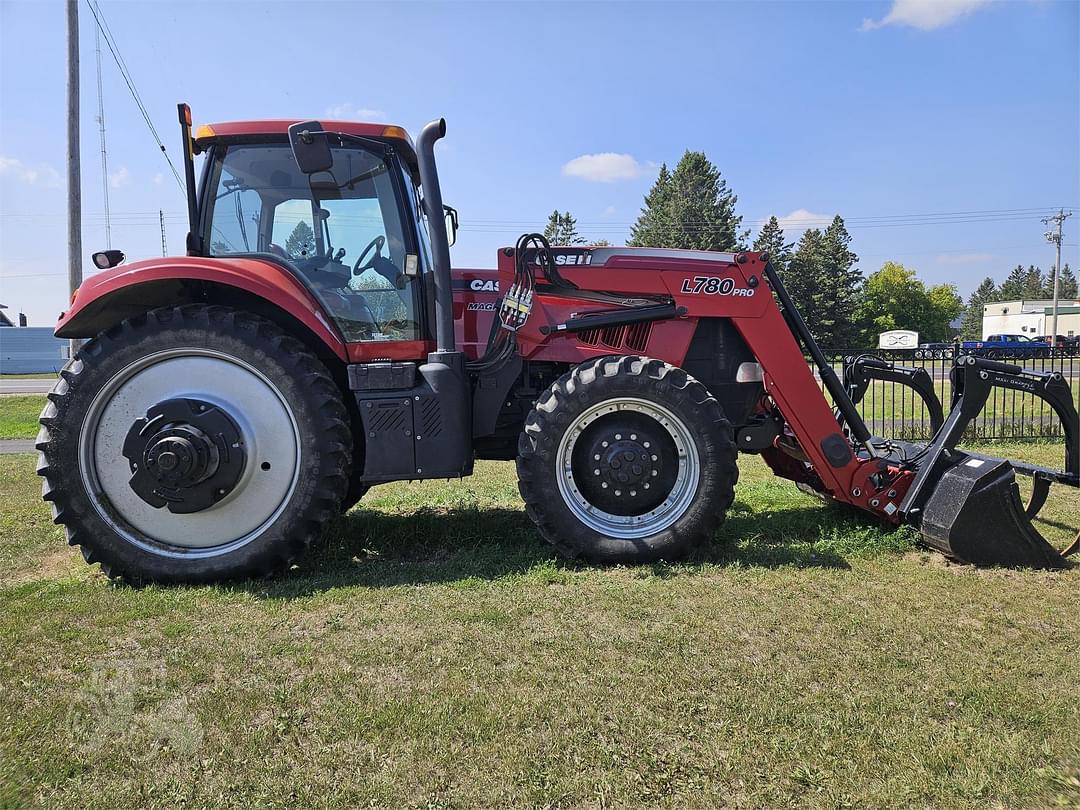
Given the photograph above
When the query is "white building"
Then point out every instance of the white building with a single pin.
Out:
(1030, 318)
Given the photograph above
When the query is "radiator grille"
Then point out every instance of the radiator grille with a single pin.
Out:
(634, 337)
(637, 336)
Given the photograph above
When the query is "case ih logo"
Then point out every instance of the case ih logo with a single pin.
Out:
(565, 259)
(480, 285)
(710, 285)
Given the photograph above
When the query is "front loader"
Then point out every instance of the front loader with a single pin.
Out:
(314, 342)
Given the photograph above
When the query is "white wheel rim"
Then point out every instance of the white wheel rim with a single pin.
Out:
(631, 527)
(269, 433)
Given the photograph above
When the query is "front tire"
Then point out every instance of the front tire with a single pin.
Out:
(627, 460)
(194, 444)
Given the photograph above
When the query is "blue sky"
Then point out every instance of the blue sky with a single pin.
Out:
(870, 110)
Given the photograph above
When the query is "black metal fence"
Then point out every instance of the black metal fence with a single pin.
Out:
(894, 410)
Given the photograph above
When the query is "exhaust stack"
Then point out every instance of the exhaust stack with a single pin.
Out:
(440, 242)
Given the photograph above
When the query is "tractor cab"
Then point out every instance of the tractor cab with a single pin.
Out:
(352, 233)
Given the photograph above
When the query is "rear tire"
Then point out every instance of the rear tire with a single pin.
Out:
(627, 460)
(291, 435)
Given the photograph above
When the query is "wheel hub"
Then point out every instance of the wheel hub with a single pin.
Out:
(185, 454)
(623, 461)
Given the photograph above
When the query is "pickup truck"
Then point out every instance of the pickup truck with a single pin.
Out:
(1002, 346)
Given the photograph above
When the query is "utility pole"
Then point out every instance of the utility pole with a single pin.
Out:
(164, 246)
(1055, 237)
(74, 169)
(101, 132)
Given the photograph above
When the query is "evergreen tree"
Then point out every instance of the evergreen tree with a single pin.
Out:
(691, 208)
(600, 243)
(1066, 284)
(1012, 288)
(561, 229)
(301, 242)
(771, 240)
(1033, 283)
(802, 277)
(651, 226)
(971, 328)
(840, 283)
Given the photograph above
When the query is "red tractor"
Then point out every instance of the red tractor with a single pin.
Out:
(315, 342)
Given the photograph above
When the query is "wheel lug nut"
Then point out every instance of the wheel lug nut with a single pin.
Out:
(618, 493)
(646, 485)
(633, 492)
(596, 472)
(596, 457)
(646, 445)
(603, 484)
(618, 437)
(633, 437)
(654, 473)
(654, 458)
(603, 444)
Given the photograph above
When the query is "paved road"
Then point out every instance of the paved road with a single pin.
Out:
(16, 446)
(27, 386)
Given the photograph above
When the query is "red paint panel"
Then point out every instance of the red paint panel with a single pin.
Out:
(374, 351)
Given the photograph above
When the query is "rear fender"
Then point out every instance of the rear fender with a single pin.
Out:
(107, 298)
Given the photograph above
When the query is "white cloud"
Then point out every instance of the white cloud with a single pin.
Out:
(43, 174)
(604, 167)
(926, 15)
(610, 211)
(158, 179)
(347, 112)
(963, 258)
(800, 219)
(120, 177)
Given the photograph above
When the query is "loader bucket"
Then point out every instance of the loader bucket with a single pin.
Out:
(974, 514)
(968, 505)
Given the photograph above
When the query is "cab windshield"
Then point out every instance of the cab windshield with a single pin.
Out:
(343, 231)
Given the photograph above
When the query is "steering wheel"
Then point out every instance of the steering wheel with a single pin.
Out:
(376, 244)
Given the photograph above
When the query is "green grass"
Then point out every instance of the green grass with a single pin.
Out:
(434, 653)
(19, 415)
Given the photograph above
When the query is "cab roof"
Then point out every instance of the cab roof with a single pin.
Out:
(280, 126)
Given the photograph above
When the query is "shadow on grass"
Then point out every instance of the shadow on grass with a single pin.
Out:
(369, 548)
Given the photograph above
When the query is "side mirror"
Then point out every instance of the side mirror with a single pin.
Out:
(310, 147)
(105, 259)
(450, 215)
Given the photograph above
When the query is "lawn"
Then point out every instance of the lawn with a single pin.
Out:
(19, 415)
(435, 653)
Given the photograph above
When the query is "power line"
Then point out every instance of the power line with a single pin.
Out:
(103, 27)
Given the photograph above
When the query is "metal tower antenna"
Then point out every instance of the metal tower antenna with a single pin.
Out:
(164, 244)
(104, 154)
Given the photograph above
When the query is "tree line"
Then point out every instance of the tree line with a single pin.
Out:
(692, 207)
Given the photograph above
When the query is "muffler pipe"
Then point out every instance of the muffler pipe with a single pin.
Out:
(440, 243)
